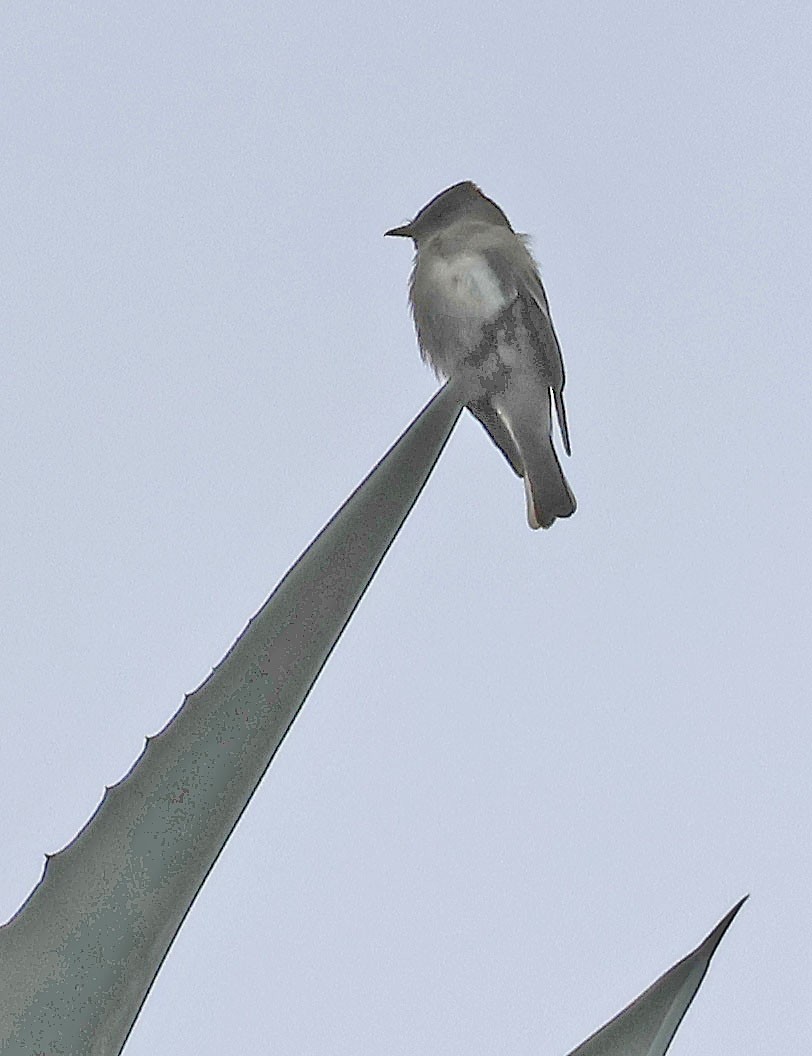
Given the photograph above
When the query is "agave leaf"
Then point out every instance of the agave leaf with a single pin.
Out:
(78, 959)
(648, 1025)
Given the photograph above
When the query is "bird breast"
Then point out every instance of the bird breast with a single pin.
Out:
(454, 295)
(464, 285)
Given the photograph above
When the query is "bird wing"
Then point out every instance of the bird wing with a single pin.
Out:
(534, 310)
(485, 412)
(535, 302)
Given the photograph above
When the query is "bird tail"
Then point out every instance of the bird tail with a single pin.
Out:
(546, 489)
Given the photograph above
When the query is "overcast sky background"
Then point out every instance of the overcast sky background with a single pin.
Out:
(539, 767)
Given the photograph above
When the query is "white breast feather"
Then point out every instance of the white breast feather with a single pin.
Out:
(468, 286)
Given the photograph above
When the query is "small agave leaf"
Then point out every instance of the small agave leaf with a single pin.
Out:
(648, 1025)
(78, 959)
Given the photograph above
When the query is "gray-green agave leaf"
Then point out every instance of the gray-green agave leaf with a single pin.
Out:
(648, 1025)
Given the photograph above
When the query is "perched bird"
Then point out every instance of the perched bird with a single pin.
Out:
(483, 321)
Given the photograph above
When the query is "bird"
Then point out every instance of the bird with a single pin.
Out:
(483, 322)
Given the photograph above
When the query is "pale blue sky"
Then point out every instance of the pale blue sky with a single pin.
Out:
(540, 766)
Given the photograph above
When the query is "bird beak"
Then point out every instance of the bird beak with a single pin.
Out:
(401, 232)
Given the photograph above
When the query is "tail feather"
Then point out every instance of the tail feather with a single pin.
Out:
(546, 489)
